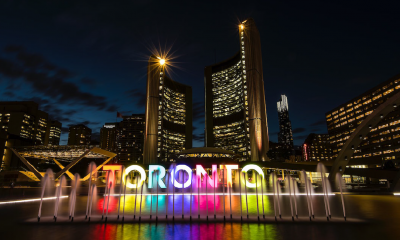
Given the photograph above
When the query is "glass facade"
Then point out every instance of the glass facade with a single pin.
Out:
(171, 119)
(383, 140)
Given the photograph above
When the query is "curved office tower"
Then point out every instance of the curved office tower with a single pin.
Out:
(168, 115)
(236, 117)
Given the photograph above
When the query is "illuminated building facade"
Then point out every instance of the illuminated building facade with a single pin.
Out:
(285, 135)
(236, 118)
(317, 147)
(79, 135)
(382, 143)
(168, 114)
(109, 136)
(131, 139)
(24, 119)
(53, 133)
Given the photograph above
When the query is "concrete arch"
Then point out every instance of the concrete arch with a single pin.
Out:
(361, 131)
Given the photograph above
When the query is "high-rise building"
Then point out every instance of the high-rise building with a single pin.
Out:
(53, 133)
(168, 114)
(7, 141)
(79, 135)
(131, 138)
(285, 135)
(235, 114)
(24, 119)
(109, 137)
(382, 143)
(317, 147)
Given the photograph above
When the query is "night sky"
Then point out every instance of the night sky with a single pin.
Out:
(83, 62)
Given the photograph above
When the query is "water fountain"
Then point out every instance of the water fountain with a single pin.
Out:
(58, 196)
(47, 182)
(339, 181)
(120, 189)
(92, 171)
(231, 186)
(72, 199)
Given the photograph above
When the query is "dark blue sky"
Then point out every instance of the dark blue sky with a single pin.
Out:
(83, 61)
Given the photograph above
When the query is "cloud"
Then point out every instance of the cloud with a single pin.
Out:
(48, 79)
(88, 81)
(198, 111)
(318, 123)
(9, 94)
(138, 96)
(198, 137)
(300, 137)
(95, 136)
(298, 130)
(64, 129)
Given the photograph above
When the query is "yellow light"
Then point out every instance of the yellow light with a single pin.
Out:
(162, 61)
(241, 26)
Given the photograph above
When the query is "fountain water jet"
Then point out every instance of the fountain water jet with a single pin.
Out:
(295, 197)
(183, 191)
(191, 197)
(173, 194)
(320, 168)
(339, 181)
(92, 166)
(108, 199)
(215, 186)
(262, 197)
(44, 182)
(278, 200)
(93, 193)
(75, 185)
(134, 207)
(198, 196)
(230, 197)
(223, 189)
(307, 193)
(141, 197)
(123, 210)
(290, 195)
(105, 193)
(157, 197)
(240, 194)
(167, 200)
(245, 189)
(206, 197)
(273, 189)
(120, 189)
(258, 210)
(151, 199)
(58, 195)
(311, 197)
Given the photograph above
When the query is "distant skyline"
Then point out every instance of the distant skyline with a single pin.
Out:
(84, 62)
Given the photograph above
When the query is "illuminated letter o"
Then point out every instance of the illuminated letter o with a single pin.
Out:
(135, 168)
(257, 169)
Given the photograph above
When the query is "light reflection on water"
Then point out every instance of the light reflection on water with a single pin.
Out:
(381, 212)
(186, 231)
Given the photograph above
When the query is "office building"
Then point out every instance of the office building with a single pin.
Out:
(168, 114)
(235, 114)
(79, 135)
(130, 141)
(109, 137)
(383, 141)
(317, 147)
(24, 119)
(53, 133)
(285, 135)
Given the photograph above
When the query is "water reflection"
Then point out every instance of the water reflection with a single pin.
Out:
(186, 231)
(381, 212)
